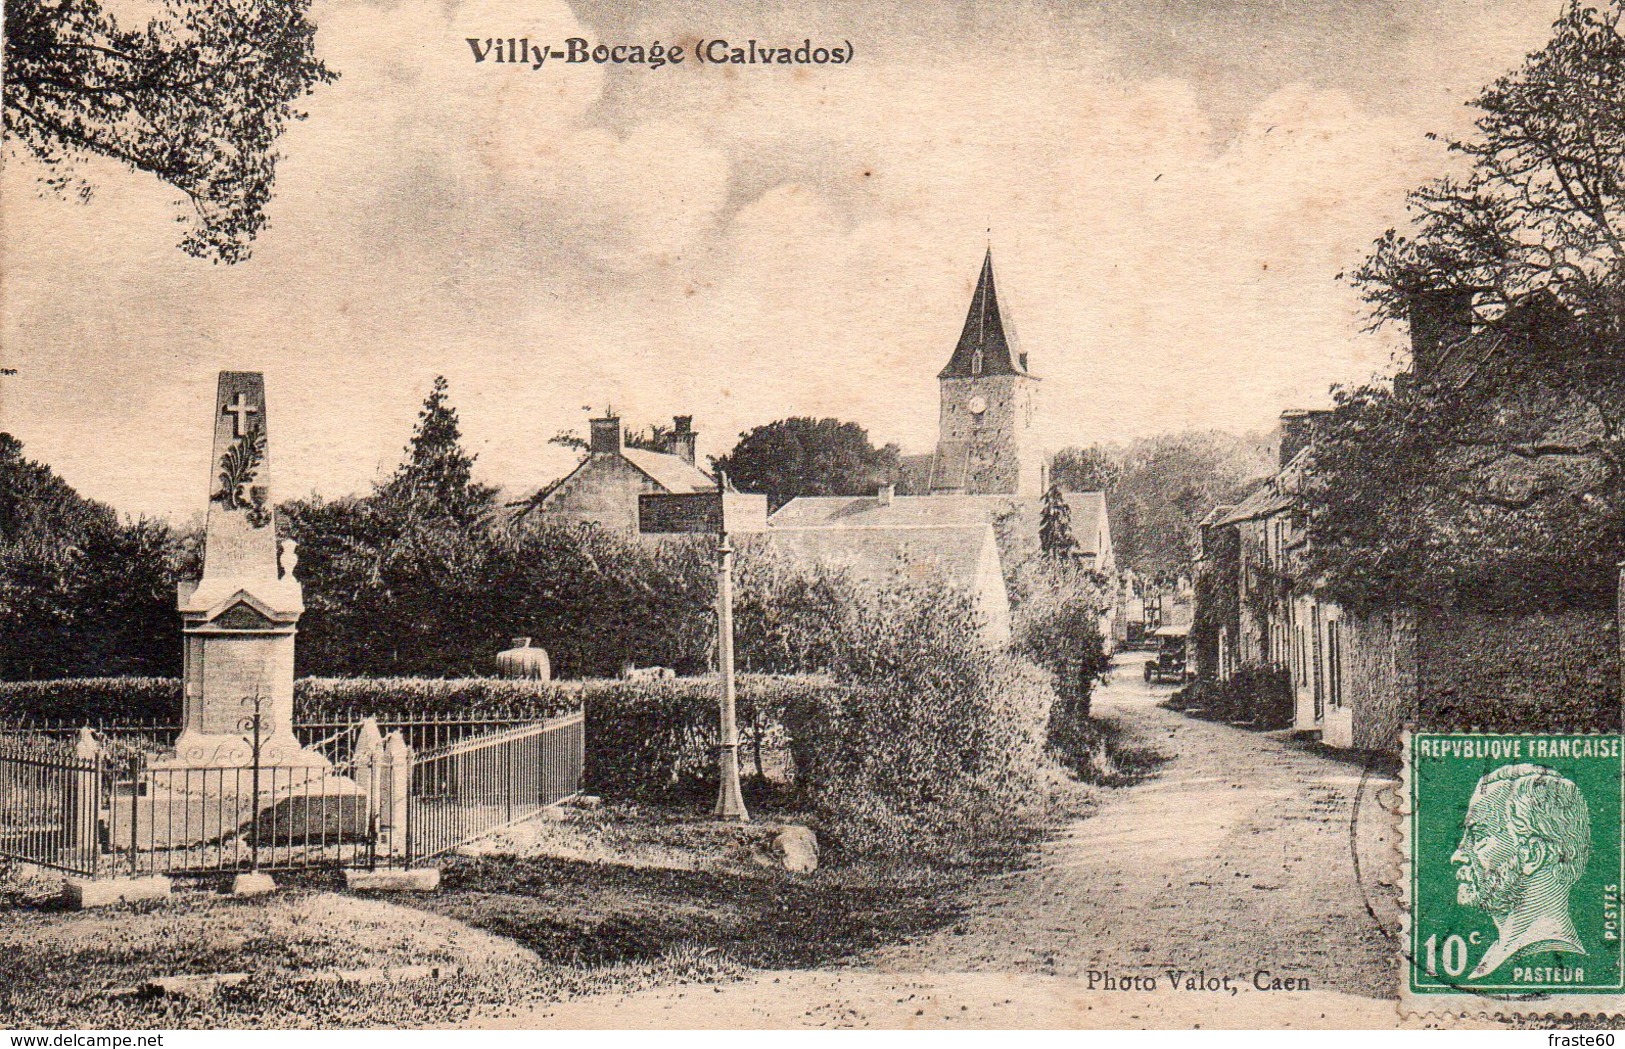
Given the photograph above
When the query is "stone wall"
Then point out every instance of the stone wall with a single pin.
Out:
(1379, 677)
(1510, 672)
(1003, 456)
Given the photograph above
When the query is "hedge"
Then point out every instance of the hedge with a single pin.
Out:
(646, 738)
(116, 700)
(923, 739)
(92, 700)
(643, 737)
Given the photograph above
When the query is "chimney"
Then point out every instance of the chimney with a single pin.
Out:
(1439, 318)
(680, 442)
(1297, 432)
(606, 436)
(886, 493)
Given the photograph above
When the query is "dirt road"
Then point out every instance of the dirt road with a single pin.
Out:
(1232, 870)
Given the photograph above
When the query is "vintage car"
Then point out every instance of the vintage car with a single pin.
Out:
(1169, 664)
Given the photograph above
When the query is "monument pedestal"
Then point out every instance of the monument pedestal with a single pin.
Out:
(237, 757)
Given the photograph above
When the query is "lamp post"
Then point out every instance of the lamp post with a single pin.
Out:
(730, 800)
(709, 513)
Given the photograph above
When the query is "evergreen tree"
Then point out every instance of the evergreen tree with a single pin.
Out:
(436, 482)
(1055, 536)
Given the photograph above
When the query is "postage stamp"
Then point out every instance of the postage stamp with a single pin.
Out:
(1513, 874)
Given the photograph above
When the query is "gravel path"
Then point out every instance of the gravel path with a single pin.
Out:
(1238, 857)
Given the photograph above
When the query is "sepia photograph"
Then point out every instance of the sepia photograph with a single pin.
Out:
(717, 515)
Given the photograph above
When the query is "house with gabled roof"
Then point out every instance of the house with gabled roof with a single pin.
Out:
(1014, 519)
(604, 488)
(962, 556)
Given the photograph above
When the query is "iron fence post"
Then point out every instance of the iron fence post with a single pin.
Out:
(96, 814)
(507, 757)
(135, 780)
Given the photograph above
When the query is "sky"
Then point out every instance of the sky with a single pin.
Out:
(1170, 189)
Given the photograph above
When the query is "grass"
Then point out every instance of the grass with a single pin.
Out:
(612, 900)
(1102, 753)
(650, 897)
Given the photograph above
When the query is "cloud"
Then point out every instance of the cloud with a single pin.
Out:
(737, 245)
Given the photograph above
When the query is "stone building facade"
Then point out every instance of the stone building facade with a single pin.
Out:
(604, 489)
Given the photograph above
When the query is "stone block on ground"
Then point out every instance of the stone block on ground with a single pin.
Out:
(796, 849)
(85, 893)
(252, 885)
(315, 818)
(585, 801)
(414, 879)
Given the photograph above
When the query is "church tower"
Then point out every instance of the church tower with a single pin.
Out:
(985, 444)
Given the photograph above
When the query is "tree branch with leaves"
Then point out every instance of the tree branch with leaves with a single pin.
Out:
(197, 97)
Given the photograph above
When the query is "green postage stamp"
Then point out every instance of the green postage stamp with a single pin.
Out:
(1513, 874)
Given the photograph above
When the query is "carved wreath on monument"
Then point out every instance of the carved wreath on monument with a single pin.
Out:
(239, 467)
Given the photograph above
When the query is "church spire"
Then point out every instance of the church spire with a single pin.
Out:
(985, 346)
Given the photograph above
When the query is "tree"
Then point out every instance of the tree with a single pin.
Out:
(435, 482)
(1159, 488)
(1540, 206)
(1055, 536)
(197, 97)
(1418, 495)
(804, 456)
(81, 593)
(1494, 467)
(1091, 469)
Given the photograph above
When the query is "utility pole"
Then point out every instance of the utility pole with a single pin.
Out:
(730, 800)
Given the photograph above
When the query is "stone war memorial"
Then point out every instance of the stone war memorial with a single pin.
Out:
(239, 622)
(241, 617)
(240, 786)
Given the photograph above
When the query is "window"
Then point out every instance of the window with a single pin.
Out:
(1317, 668)
(976, 363)
(1334, 662)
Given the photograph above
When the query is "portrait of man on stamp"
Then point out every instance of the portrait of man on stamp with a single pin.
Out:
(1524, 843)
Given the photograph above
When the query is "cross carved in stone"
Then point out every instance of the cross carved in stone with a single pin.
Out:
(241, 409)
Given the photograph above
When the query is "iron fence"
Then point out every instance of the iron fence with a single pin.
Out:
(104, 802)
(50, 800)
(469, 788)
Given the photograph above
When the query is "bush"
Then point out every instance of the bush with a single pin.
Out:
(647, 738)
(935, 742)
(322, 698)
(1057, 626)
(1261, 695)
